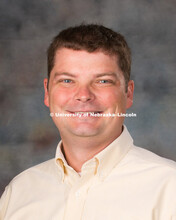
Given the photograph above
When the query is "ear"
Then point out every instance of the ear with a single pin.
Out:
(130, 92)
(46, 97)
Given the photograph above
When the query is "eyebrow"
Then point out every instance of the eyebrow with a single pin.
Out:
(107, 74)
(63, 73)
(96, 75)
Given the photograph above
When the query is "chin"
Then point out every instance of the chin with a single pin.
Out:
(85, 131)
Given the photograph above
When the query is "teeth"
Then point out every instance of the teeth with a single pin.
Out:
(83, 112)
(86, 112)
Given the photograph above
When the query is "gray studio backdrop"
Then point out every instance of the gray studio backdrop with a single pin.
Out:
(27, 134)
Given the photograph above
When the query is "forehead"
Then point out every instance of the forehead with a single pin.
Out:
(81, 59)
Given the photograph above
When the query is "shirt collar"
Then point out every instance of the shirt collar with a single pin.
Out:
(106, 160)
(60, 160)
(114, 153)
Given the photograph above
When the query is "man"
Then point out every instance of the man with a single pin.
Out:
(97, 173)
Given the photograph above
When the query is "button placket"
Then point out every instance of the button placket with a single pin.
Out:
(78, 194)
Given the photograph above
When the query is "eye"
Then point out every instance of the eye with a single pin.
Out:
(104, 81)
(65, 81)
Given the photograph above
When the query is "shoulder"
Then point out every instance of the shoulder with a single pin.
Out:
(144, 164)
(31, 185)
(35, 179)
(147, 169)
(147, 157)
(140, 160)
(43, 171)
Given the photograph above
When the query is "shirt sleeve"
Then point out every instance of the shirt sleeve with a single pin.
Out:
(4, 201)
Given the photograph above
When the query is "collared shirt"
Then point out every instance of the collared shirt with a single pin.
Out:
(122, 182)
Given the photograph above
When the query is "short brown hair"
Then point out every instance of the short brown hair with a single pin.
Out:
(92, 37)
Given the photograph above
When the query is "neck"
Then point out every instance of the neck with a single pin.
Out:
(78, 150)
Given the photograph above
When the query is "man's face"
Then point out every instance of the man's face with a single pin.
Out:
(85, 83)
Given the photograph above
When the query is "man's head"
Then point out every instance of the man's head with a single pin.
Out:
(93, 38)
(88, 72)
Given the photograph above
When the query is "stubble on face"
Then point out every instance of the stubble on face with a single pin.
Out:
(83, 82)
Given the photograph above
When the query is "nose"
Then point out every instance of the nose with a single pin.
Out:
(84, 94)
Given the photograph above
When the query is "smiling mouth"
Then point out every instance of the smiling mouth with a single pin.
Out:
(86, 112)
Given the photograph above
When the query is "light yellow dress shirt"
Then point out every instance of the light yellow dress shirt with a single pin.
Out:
(122, 182)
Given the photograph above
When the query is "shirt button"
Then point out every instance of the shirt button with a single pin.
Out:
(78, 193)
(102, 176)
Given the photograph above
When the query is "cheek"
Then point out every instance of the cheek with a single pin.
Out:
(110, 98)
(59, 97)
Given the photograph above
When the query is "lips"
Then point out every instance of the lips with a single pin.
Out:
(85, 112)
